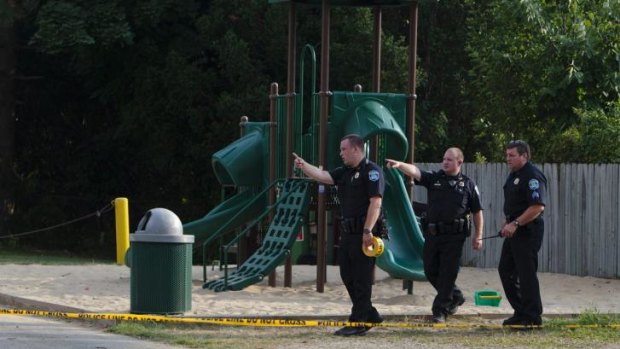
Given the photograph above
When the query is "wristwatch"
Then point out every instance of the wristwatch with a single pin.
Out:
(367, 231)
(516, 222)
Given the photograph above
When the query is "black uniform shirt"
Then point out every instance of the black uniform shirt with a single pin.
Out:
(523, 188)
(356, 185)
(449, 197)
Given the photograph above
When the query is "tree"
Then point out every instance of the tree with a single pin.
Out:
(589, 139)
(7, 110)
(536, 62)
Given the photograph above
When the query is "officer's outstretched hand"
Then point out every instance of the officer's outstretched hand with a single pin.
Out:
(392, 163)
(299, 162)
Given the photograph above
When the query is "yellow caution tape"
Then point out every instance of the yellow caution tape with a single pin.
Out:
(374, 250)
(262, 322)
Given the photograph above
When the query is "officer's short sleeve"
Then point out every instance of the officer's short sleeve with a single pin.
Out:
(336, 174)
(426, 178)
(476, 202)
(536, 190)
(376, 181)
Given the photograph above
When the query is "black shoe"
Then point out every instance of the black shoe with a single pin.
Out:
(377, 319)
(340, 331)
(351, 331)
(455, 305)
(535, 322)
(439, 318)
(513, 320)
(523, 322)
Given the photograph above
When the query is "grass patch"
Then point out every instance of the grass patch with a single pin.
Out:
(556, 333)
(11, 256)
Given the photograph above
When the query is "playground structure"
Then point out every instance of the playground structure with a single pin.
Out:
(259, 166)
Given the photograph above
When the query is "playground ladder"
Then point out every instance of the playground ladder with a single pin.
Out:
(278, 240)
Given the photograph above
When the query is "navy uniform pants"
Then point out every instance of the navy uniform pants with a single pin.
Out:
(442, 256)
(517, 269)
(356, 273)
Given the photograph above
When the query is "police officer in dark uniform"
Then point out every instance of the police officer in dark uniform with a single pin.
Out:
(360, 184)
(523, 228)
(452, 199)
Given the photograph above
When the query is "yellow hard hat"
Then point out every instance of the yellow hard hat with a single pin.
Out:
(374, 250)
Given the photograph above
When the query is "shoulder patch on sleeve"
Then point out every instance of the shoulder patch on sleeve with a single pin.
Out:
(373, 175)
(533, 184)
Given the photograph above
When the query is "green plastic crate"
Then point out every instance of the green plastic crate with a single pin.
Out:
(490, 298)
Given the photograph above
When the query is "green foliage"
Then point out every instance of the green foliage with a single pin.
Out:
(131, 98)
(65, 26)
(479, 158)
(6, 12)
(588, 140)
(537, 62)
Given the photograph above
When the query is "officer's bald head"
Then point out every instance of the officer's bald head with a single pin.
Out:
(457, 153)
(452, 161)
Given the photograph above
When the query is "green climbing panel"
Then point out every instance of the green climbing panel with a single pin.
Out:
(277, 243)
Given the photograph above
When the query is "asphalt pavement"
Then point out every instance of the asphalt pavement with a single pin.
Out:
(24, 332)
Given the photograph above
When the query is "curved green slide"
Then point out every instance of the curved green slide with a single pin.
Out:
(368, 117)
(239, 164)
(240, 207)
(402, 257)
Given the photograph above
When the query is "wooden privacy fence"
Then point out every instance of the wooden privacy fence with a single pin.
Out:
(582, 217)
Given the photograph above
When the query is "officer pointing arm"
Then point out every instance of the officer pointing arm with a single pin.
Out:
(452, 199)
(414, 172)
(313, 171)
(374, 209)
(361, 185)
(408, 169)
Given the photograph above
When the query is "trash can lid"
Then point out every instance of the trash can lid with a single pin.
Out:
(160, 225)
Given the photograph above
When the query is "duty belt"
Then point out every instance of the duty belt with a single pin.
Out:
(352, 225)
(457, 226)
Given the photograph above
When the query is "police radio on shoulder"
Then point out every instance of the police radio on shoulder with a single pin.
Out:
(367, 231)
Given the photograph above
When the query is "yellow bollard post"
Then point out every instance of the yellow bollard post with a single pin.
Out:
(121, 212)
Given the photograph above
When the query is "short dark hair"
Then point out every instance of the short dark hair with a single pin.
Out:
(355, 140)
(521, 146)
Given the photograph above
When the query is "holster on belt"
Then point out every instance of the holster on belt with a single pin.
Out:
(356, 226)
(457, 226)
(352, 225)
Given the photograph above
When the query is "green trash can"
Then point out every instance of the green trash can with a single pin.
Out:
(161, 265)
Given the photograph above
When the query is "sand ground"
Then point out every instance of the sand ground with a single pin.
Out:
(106, 288)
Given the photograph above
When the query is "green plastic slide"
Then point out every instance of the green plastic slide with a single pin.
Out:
(239, 164)
(239, 207)
(402, 257)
